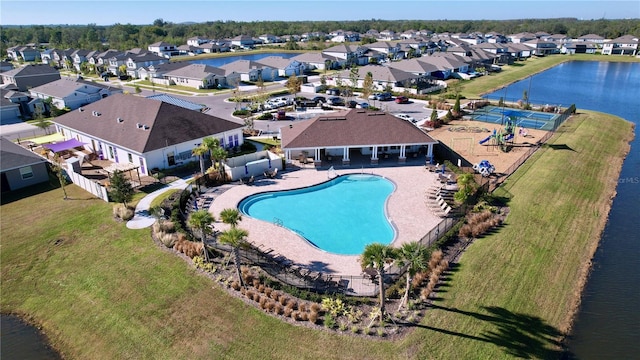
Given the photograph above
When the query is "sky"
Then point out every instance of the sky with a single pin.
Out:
(140, 12)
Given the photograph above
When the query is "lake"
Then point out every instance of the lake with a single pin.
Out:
(608, 323)
(219, 61)
(23, 341)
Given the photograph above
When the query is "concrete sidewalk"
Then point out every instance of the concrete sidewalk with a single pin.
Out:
(142, 218)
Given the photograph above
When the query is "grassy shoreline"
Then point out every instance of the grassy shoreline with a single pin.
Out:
(87, 280)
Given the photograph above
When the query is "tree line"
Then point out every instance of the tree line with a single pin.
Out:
(127, 36)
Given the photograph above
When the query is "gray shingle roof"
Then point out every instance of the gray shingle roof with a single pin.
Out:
(13, 156)
(167, 124)
(353, 128)
(195, 71)
(63, 87)
(31, 70)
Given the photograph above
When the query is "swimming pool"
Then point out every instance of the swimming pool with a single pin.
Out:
(340, 216)
(524, 118)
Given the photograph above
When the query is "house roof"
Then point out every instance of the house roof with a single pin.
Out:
(162, 124)
(31, 70)
(13, 156)
(314, 57)
(380, 73)
(241, 66)
(63, 87)
(276, 62)
(176, 101)
(195, 71)
(414, 66)
(352, 128)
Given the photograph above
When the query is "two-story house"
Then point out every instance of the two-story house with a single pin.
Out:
(30, 76)
(73, 93)
(163, 49)
(623, 45)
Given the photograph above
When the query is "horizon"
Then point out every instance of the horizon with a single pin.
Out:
(12, 12)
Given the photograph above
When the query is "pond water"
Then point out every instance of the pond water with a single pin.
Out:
(608, 323)
(20, 340)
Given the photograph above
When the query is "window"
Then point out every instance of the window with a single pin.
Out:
(130, 157)
(26, 172)
(236, 141)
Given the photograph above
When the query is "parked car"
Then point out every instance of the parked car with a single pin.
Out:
(352, 104)
(336, 101)
(319, 99)
(402, 100)
(374, 96)
(406, 117)
(334, 92)
(385, 96)
(363, 105)
(304, 102)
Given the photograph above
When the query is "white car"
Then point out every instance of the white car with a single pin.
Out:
(406, 117)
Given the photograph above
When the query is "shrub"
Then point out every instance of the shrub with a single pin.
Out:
(304, 316)
(235, 285)
(315, 307)
(261, 288)
(302, 306)
(287, 311)
(249, 294)
(275, 294)
(313, 317)
(380, 332)
(256, 296)
(355, 329)
(268, 291)
(262, 301)
(277, 308)
(122, 212)
(283, 299)
(168, 239)
(329, 322)
(189, 248)
(295, 315)
(256, 283)
(266, 116)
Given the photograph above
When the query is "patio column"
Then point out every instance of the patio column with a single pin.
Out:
(403, 154)
(287, 156)
(317, 161)
(374, 155)
(430, 152)
(345, 156)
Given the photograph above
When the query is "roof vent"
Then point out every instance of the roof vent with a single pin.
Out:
(80, 109)
(119, 120)
(95, 113)
(138, 125)
(145, 127)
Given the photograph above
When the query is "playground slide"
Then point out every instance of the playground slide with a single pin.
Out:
(485, 140)
(508, 137)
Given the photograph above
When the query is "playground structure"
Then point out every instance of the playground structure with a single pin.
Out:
(504, 138)
(484, 167)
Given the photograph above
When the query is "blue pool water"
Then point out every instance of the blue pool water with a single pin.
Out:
(340, 216)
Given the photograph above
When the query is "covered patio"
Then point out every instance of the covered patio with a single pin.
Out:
(378, 136)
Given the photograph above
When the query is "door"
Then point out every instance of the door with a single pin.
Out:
(142, 165)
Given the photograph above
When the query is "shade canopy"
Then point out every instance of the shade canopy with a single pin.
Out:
(64, 145)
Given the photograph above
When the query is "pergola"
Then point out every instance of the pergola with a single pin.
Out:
(123, 167)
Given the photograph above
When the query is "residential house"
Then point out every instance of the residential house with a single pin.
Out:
(541, 47)
(243, 41)
(591, 38)
(557, 38)
(14, 106)
(314, 35)
(383, 77)
(387, 35)
(73, 93)
(62, 58)
(81, 56)
(578, 48)
(211, 48)
(268, 38)
(446, 64)
(248, 70)
(198, 76)
(283, 67)
(519, 51)
(157, 71)
(5, 66)
(347, 55)
(495, 37)
(521, 37)
(315, 60)
(23, 53)
(499, 50)
(137, 62)
(163, 49)
(100, 60)
(623, 45)
(340, 36)
(189, 50)
(20, 167)
(30, 76)
(146, 133)
(197, 41)
(421, 69)
(372, 134)
(391, 50)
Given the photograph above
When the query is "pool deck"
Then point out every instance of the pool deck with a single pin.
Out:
(406, 207)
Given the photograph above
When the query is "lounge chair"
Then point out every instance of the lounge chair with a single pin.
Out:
(443, 213)
(271, 173)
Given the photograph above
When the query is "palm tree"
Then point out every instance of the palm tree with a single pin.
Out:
(200, 151)
(236, 238)
(414, 256)
(201, 219)
(231, 216)
(376, 256)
